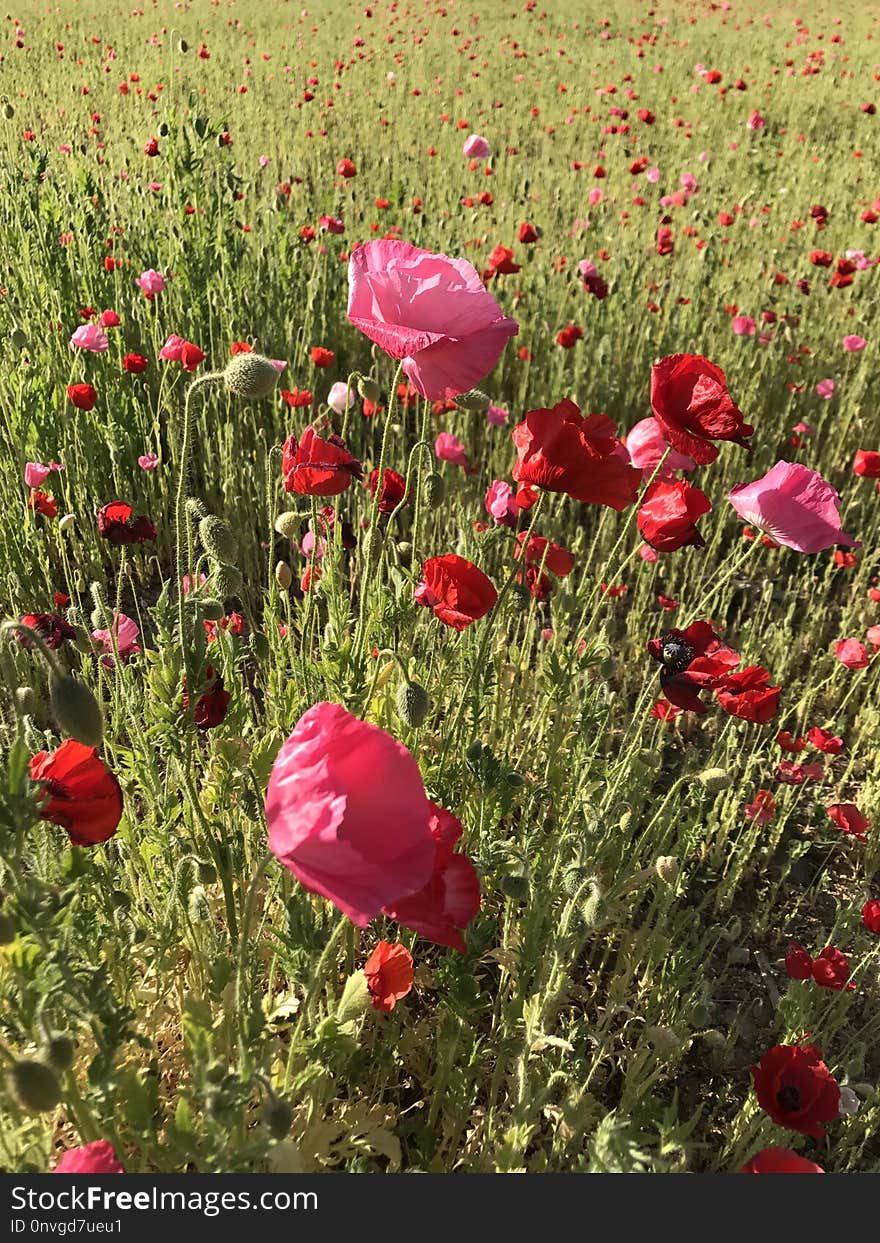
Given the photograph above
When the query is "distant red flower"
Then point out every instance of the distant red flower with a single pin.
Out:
(780, 1161)
(41, 503)
(455, 590)
(798, 963)
(560, 450)
(852, 653)
(871, 915)
(53, 630)
(116, 524)
(749, 695)
(664, 244)
(793, 774)
(500, 262)
(389, 973)
(831, 970)
(822, 740)
(314, 466)
(296, 398)
(135, 363)
(867, 464)
(212, 704)
(191, 356)
(83, 396)
(528, 234)
(240, 347)
(763, 809)
(322, 357)
(569, 336)
(796, 1089)
(691, 403)
(821, 259)
(668, 514)
(346, 169)
(151, 147)
(393, 489)
(78, 792)
(544, 553)
(792, 745)
(848, 818)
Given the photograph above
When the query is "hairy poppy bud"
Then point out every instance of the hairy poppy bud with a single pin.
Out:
(250, 376)
(663, 1039)
(207, 873)
(288, 524)
(412, 703)
(226, 580)
(76, 710)
(8, 931)
(714, 780)
(35, 1086)
(217, 540)
(474, 400)
(26, 700)
(197, 904)
(404, 552)
(368, 388)
(650, 759)
(8, 111)
(516, 886)
(58, 1052)
(474, 752)
(163, 130)
(355, 999)
(209, 608)
(435, 490)
(283, 575)
(278, 1117)
(260, 646)
(195, 509)
(667, 869)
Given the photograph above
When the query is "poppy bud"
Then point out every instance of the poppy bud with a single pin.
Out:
(260, 646)
(716, 1040)
(474, 751)
(435, 490)
(207, 873)
(412, 704)
(82, 642)
(66, 522)
(667, 869)
(592, 910)
(278, 1117)
(217, 540)
(8, 931)
(368, 388)
(355, 999)
(404, 552)
(195, 508)
(475, 400)
(520, 598)
(714, 780)
(182, 46)
(58, 1052)
(283, 575)
(26, 700)
(209, 608)
(162, 131)
(250, 376)
(197, 905)
(288, 524)
(8, 111)
(34, 1085)
(663, 1039)
(650, 759)
(76, 709)
(626, 819)
(515, 780)
(516, 886)
(226, 580)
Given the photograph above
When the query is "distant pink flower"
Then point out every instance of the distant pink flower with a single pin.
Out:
(852, 653)
(89, 337)
(497, 416)
(154, 185)
(172, 348)
(98, 1157)
(338, 395)
(151, 282)
(431, 311)
(756, 121)
(804, 429)
(501, 503)
(795, 506)
(126, 632)
(264, 160)
(653, 175)
(148, 461)
(187, 582)
(646, 444)
(330, 224)
(649, 554)
(743, 326)
(825, 388)
(36, 474)
(595, 196)
(477, 148)
(449, 448)
(348, 814)
(853, 343)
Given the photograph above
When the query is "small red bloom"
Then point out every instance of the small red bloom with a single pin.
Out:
(116, 524)
(871, 915)
(314, 466)
(792, 745)
(191, 356)
(389, 973)
(831, 970)
(83, 396)
(763, 809)
(52, 630)
(796, 1089)
(822, 740)
(852, 653)
(691, 403)
(296, 398)
(79, 792)
(393, 489)
(211, 705)
(345, 169)
(780, 1161)
(151, 147)
(322, 357)
(848, 818)
(668, 514)
(693, 660)
(41, 503)
(500, 262)
(867, 464)
(569, 336)
(544, 553)
(798, 963)
(528, 234)
(135, 363)
(455, 590)
(749, 695)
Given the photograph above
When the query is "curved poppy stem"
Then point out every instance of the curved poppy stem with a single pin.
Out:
(722, 582)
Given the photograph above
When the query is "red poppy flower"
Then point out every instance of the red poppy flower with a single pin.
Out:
(191, 356)
(691, 403)
(763, 809)
(792, 745)
(116, 524)
(528, 234)
(322, 357)
(798, 963)
(560, 450)
(544, 553)
(450, 900)
(456, 591)
(871, 915)
(500, 262)
(749, 695)
(313, 466)
(135, 363)
(780, 1161)
(822, 740)
(831, 970)
(79, 792)
(569, 336)
(53, 630)
(867, 464)
(693, 660)
(821, 259)
(668, 513)
(848, 818)
(796, 774)
(83, 396)
(389, 972)
(297, 398)
(852, 653)
(393, 489)
(345, 169)
(664, 244)
(796, 1089)
(211, 705)
(61, 599)
(41, 503)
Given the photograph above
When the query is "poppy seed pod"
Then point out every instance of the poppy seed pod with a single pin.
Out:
(714, 780)
(58, 1052)
(217, 540)
(76, 709)
(516, 886)
(250, 375)
(667, 869)
(412, 703)
(35, 1086)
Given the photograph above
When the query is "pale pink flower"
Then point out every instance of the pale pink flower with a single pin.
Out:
(154, 186)
(449, 448)
(825, 388)
(645, 444)
(338, 395)
(756, 121)
(649, 554)
(36, 474)
(804, 429)
(497, 416)
(151, 282)
(743, 326)
(595, 196)
(172, 349)
(501, 503)
(852, 653)
(89, 337)
(126, 633)
(187, 582)
(148, 461)
(477, 148)
(348, 814)
(853, 344)
(795, 506)
(653, 175)
(264, 160)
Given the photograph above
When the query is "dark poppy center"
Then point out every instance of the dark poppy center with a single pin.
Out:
(57, 789)
(677, 653)
(789, 1098)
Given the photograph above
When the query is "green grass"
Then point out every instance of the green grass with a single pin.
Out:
(602, 1018)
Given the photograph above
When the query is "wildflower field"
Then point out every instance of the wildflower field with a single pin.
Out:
(439, 575)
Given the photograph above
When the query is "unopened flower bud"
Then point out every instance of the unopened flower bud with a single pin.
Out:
(663, 1039)
(8, 111)
(515, 885)
(76, 709)
(35, 1086)
(217, 539)
(283, 575)
(278, 1117)
(207, 873)
(250, 375)
(226, 580)
(26, 699)
(58, 1052)
(368, 388)
(714, 780)
(412, 703)
(404, 552)
(667, 869)
(66, 521)
(475, 400)
(195, 509)
(288, 524)
(435, 490)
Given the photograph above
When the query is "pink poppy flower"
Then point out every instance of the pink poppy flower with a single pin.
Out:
(348, 814)
(126, 633)
(501, 503)
(151, 282)
(653, 175)
(595, 196)
(429, 310)
(172, 349)
(497, 416)
(852, 653)
(36, 474)
(98, 1157)
(825, 388)
(477, 148)
(853, 343)
(89, 337)
(338, 395)
(795, 506)
(148, 461)
(449, 448)
(743, 326)
(646, 444)
(756, 121)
